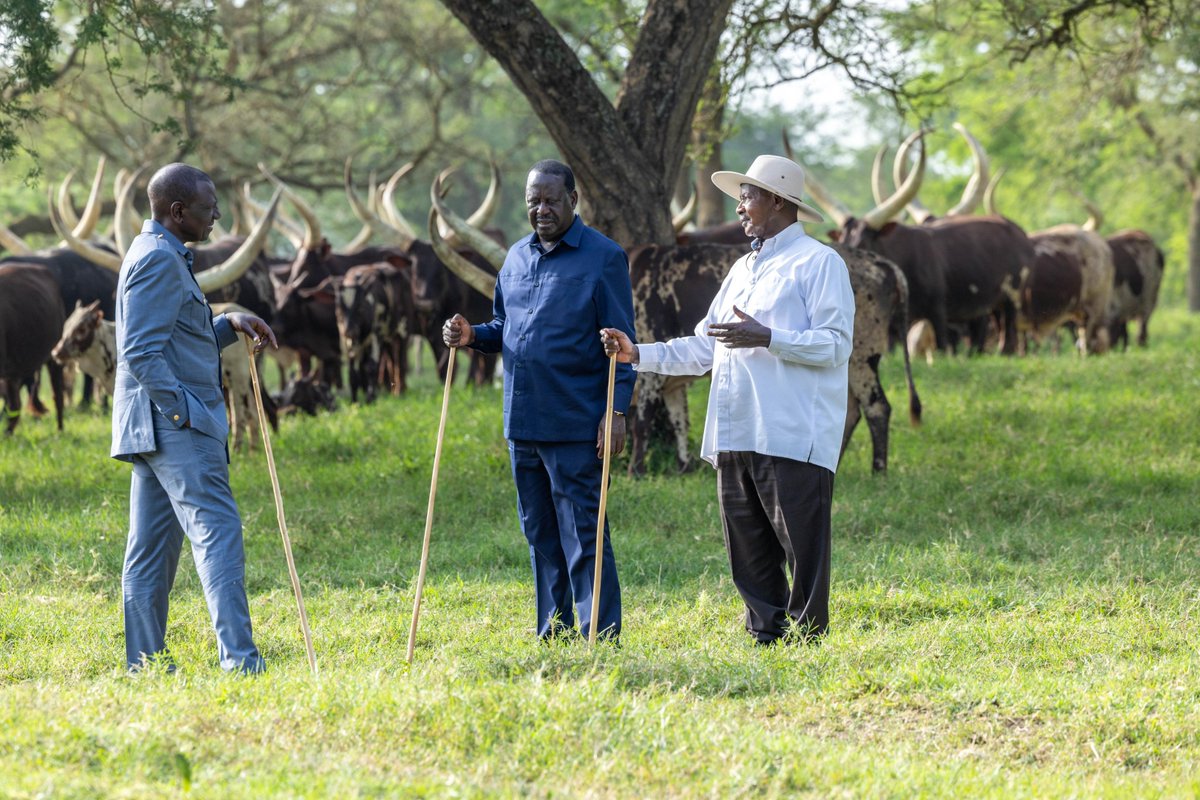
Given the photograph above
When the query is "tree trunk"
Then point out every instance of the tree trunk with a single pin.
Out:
(708, 131)
(626, 158)
(1193, 282)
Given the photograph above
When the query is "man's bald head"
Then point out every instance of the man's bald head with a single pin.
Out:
(173, 183)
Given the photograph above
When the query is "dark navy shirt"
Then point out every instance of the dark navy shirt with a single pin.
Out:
(549, 309)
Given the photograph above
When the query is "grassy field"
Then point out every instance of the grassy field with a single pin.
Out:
(1015, 613)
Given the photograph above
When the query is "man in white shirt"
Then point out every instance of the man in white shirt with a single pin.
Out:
(777, 406)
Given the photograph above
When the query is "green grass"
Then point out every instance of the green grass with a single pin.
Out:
(1015, 613)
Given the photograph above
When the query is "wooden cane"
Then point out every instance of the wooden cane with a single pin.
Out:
(606, 458)
(437, 461)
(287, 543)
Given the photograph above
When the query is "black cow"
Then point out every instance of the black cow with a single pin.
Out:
(31, 319)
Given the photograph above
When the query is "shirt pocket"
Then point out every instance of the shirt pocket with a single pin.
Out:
(196, 309)
(777, 299)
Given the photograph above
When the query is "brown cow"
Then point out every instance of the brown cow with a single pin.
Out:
(1071, 280)
(31, 318)
(1137, 276)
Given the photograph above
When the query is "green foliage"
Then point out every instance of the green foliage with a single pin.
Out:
(1014, 612)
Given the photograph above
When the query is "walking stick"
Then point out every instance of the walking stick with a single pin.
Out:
(287, 543)
(606, 458)
(437, 461)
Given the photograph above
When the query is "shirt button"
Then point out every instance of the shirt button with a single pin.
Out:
(522, 337)
(177, 418)
(530, 311)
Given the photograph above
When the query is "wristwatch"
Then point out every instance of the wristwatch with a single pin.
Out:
(618, 413)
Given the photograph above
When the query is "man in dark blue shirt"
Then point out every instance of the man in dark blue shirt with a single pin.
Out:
(558, 286)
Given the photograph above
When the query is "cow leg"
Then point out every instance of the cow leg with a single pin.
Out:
(56, 389)
(34, 383)
(878, 412)
(853, 415)
(12, 404)
(1008, 327)
(89, 389)
(675, 399)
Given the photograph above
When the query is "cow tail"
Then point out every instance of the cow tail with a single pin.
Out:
(900, 331)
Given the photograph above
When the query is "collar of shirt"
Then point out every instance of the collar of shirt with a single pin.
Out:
(781, 240)
(153, 228)
(570, 238)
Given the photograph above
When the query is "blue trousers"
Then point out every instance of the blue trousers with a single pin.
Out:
(183, 489)
(558, 500)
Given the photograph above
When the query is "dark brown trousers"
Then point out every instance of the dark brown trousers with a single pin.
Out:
(776, 516)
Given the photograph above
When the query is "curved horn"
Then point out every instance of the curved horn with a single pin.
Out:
(124, 217)
(66, 212)
(91, 210)
(878, 216)
(474, 238)
(365, 216)
(14, 244)
(292, 231)
(973, 193)
(474, 277)
(685, 215)
(312, 226)
(483, 214)
(373, 225)
(97, 256)
(915, 208)
(236, 265)
(989, 194)
(838, 211)
(878, 190)
(391, 212)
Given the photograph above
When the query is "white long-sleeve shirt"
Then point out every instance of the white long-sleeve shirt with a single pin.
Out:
(788, 399)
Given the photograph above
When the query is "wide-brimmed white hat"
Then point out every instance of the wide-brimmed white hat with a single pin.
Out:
(777, 175)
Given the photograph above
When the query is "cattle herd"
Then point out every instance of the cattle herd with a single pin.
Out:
(345, 320)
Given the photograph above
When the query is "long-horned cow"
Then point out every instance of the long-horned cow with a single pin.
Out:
(959, 269)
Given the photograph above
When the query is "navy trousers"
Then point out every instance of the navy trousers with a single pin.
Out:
(776, 513)
(558, 500)
(183, 489)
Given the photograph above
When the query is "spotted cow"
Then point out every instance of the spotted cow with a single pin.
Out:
(672, 290)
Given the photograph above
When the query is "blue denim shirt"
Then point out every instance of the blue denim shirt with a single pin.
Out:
(549, 309)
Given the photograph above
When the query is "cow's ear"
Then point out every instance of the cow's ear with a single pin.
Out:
(835, 234)
(325, 248)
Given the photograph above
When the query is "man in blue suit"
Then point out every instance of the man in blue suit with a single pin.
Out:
(169, 420)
